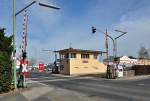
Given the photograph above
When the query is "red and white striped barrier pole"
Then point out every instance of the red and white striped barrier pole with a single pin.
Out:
(24, 61)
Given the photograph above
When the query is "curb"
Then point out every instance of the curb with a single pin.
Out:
(134, 77)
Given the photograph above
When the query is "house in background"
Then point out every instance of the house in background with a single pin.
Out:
(133, 61)
(127, 61)
(77, 61)
(143, 62)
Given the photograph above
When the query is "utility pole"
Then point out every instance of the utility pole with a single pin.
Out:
(14, 45)
(107, 55)
(106, 45)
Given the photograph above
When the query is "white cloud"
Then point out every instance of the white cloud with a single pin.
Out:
(136, 23)
(78, 32)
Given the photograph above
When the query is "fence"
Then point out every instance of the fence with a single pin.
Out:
(141, 69)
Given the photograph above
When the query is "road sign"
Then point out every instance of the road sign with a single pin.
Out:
(40, 67)
(24, 70)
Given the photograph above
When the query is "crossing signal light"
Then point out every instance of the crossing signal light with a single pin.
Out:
(93, 30)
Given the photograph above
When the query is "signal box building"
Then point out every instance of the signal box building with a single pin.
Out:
(77, 61)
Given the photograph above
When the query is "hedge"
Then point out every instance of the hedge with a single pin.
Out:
(5, 62)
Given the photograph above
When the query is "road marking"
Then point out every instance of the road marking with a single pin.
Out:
(141, 84)
(43, 84)
(107, 86)
(31, 81)
(100, 85)
(41, 77)
(35, 78)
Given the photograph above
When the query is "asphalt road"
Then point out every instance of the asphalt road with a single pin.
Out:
(99, 88)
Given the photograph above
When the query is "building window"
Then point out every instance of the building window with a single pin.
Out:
(76, 67)
(85, 61)
(66, 56)
(95, 56)
(85, 56)
(73, 55)
(62, 56)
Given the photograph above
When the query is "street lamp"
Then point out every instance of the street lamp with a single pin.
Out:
(123, 33)
(49, 6)
(41, 4)
(14, 33)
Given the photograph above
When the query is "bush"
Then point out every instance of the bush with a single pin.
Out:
(5, 62)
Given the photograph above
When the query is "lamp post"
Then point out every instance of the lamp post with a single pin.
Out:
(14, 33)
(14, 47)
(115, 41)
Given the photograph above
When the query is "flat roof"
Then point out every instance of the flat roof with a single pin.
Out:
(79, 51)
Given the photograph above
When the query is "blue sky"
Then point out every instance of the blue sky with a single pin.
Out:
(51, 29)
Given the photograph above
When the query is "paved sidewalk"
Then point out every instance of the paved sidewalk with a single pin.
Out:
(34, 91)
(12, 96)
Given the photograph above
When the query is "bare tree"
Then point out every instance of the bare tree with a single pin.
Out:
(143, 53)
